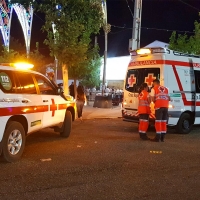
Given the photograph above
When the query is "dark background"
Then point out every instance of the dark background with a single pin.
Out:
(159, 19)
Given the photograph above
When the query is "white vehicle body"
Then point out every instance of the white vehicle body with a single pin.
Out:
(179, 72)
(33, 102)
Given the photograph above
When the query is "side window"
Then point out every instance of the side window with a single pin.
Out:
(7, 84)
(27, 85)
(197, 81)
(44, 85)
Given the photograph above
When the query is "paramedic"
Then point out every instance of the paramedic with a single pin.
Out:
(143, 110)
(160, 97)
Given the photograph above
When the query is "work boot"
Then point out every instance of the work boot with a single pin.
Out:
(162, 137)
(143, 136)
(157, 138)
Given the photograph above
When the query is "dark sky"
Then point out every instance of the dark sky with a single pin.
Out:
(156, 14)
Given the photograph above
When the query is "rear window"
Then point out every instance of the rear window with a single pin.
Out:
(26, 83)
(135, 77)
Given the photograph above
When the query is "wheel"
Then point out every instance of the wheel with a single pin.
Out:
(184, 124)
(67, 125)
(13, 142)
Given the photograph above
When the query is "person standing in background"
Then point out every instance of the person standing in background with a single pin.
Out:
(80, 100)
(71, 90)
(144, 110)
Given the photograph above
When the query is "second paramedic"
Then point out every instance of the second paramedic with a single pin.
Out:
(160, 97)
(144, 110)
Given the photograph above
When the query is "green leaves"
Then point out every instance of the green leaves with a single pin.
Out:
(185, 43)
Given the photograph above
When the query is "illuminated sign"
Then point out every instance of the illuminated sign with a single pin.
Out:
(25, 17)
(5, 21)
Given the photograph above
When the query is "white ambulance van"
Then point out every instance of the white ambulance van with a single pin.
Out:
(179, 72)
(29, 102)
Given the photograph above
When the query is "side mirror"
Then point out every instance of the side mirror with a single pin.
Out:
(60, 90)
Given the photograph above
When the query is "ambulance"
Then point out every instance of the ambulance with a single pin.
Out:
(29, 102)
(179, 72)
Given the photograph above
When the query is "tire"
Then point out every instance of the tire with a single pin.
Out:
(184, 125)
(67, 125)
(13, 142)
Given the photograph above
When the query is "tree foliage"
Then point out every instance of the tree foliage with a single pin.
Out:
(74, 23)
(185, 43)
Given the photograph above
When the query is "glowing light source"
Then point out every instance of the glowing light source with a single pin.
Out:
(25, 17)
(5, 21)
(23, 65)
(143, 51)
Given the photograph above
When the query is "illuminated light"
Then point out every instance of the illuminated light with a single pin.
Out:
(23, 65)
(26, 109)
(159, 50)
(157, 152)
(35, 108)
(125, 103)
(170, 106)
(143, 51)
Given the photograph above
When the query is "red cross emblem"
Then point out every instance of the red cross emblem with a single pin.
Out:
(131, 80)
(53, 107)
(161, 89)
(149, 79)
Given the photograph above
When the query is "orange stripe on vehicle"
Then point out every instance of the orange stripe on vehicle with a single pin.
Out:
(22, 110)
(62, 106)
(161, 62)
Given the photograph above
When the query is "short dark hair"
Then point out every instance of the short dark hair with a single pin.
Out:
(156, 81)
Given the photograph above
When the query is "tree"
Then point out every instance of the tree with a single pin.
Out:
(12, 56)
(185, 43)
(74, 22)
(93, 77)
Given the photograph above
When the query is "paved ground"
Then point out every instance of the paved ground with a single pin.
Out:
(104, 159)
(89, 112)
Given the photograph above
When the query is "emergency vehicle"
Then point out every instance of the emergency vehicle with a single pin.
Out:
(29, 102)
(179, 72)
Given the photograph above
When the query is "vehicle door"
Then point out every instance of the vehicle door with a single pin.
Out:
(31, 102)
(50, 97)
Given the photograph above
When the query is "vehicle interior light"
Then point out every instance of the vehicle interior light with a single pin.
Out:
(143, 51)
(23, 65)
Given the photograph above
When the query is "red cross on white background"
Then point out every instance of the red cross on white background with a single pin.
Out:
(149, 79)
(53, 107)
(132, 80)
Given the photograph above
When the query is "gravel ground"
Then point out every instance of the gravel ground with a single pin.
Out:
(104, 159)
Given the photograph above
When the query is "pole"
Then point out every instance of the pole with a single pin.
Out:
(106, 30)
(137, 25)
(55, 60)
(105, 62)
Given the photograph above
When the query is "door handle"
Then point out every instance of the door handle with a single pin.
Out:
(45, 100)
(24, 101)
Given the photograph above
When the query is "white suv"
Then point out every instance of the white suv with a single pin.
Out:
(29, 102)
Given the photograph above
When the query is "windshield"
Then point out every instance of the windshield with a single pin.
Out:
(135, 77)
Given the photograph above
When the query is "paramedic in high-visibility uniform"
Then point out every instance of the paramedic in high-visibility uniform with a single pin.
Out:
(144, 110)
(160, 97)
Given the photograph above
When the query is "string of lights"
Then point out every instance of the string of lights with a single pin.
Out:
(150, 28)
(190, 5)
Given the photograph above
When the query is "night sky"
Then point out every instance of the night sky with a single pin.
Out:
(159, 17)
